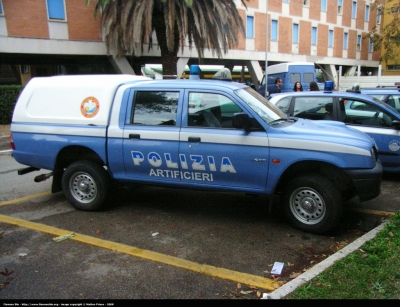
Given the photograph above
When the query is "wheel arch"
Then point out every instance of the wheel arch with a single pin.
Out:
(337, 176)
(67, 156)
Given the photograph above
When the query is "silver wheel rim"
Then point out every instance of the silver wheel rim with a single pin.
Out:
(307, 206)
(83, 188)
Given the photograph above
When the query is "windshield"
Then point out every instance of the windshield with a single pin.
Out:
(266, 110)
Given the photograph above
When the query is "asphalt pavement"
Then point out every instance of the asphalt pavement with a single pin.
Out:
(163, 243)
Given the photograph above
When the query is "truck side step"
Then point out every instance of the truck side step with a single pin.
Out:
(27, 170)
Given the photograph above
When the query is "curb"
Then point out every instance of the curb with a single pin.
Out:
(322, 266)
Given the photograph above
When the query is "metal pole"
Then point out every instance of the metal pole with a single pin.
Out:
(266, 48)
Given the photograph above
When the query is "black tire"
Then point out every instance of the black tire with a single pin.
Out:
(86, 185)
(313, 204)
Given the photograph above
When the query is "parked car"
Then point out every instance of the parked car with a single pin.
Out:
(363, 112)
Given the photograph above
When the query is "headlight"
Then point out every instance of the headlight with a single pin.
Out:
(374, 153)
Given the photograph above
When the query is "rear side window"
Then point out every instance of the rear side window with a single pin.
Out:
(154, 108)
(365, 114)
(295, 77)
(312, 107)
(378, 96)
(394, 101)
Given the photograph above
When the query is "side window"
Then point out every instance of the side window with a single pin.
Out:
(308, 77)
(313, 107)
(294, 77)
(211, 110)
(378, 96)
(365, 114)
(154, 108)
(394, 101)
(284, 105)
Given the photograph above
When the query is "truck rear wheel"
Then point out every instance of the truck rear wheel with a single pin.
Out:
(86, 185)
(313, 204)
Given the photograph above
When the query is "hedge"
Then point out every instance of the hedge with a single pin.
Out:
(8, 98)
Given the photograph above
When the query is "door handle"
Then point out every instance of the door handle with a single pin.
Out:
(194, 139)
(134, 136)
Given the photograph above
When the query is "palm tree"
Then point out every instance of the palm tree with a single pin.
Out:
(212, 24)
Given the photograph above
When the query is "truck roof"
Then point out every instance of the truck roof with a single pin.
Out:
(87, 99)
(62, 99)
(85, 80)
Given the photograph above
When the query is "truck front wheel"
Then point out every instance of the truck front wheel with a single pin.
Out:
(313, 204)
(86, 185)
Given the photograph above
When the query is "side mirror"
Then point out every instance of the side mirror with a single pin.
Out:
(241, 121)
(396, 124)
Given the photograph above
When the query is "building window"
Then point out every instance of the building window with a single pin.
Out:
(25, 69)
(395, 9)
(340, 7)
(306, 3)
(285, 1)
(345, 40)
(1, 8)
(323, 5)
(56, 9)
(354, 10)
(371, 45)
(378, 16)
(250, 27)
(367, 13)
(393, 67)
(274, 30)
(313, 35)
(330, 39)
(295, 35)
(358, 42)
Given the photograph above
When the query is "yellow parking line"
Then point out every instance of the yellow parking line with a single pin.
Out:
(247, 279)
(243, 278)
(374, 212)
(9, 202)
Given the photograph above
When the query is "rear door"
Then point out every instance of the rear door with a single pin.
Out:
(302, 73)
(151, 135)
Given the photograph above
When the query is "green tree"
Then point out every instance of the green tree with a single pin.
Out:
(386, 38)
(208, 24)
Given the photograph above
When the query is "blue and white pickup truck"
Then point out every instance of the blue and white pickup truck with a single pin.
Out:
(94, 131)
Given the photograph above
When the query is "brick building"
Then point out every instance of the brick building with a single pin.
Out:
(50, 37)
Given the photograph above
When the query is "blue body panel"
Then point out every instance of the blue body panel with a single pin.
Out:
(178, 154)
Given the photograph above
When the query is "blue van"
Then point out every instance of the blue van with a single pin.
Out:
(290, 73)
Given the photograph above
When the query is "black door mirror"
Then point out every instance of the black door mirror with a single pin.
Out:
(241, 121)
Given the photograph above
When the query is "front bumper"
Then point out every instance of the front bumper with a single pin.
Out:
(367, 181)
